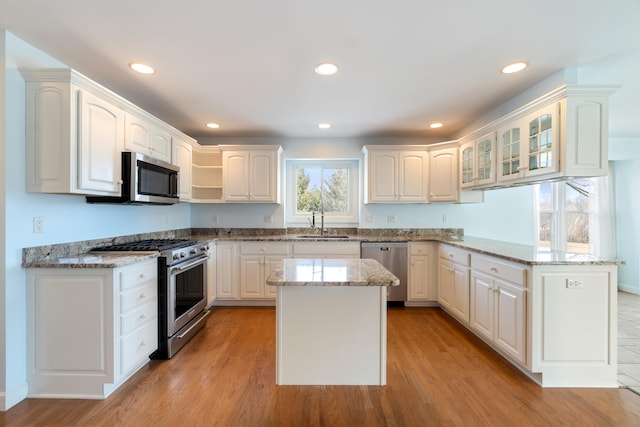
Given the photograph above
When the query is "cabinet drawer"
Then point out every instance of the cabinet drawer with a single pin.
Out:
(264, 248)
(136, 276)
(454, 254)
(514, 273)
(137, 296)
(139, 345)
(420, 248)
(137, 317)
(326, 249)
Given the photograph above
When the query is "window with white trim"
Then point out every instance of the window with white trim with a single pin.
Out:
(574, 216)
(322, 185)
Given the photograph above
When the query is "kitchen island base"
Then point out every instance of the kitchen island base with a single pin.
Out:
(331, 335)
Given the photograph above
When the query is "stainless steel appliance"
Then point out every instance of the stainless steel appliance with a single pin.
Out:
(182, 289)
(393, 257)
(145, 180)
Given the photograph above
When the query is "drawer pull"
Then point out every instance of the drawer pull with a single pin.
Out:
(451, 256)
(143, 275)
(493, 269)
(142, 344)
(142, 316)
(142, 296)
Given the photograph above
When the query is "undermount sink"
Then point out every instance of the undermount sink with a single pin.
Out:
(326, 236)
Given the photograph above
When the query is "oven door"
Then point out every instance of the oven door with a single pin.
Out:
(187, 292)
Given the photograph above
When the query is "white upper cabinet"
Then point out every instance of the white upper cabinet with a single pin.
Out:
(182, 156)
(144, 135)
(74, 136)
(251, 174)
(563, 134)
(477, 162)
(396, 174)
(76, 131)
(443, 182)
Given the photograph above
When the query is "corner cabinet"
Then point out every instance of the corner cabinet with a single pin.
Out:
(74, 135)
(398, 175)
(251, 174)
(89, 329)
(206, 175)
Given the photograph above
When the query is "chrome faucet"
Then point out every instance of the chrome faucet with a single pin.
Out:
(312, 221)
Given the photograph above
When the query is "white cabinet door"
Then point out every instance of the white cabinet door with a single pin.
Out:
(101, 140)
(510, 308)
(270, 263)
(262, 176)
(383, 175)
(541, 150)
(160, 144)
(510, 163)
(461, 291)
(235, 185)
(418, 284)
(226, 274)
(252, 277)
(445, 283)
(443, 180)
(412, 176)
(481, 316)
(183, 158)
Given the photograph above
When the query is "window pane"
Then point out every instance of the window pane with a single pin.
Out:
(545, 197)
(308, 190)
(315, 184)
(578, 232)
(544, 232)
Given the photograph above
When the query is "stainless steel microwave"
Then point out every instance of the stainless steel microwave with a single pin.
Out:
(145, 180)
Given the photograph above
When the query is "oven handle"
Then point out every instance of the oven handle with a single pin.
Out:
(182, 335)
(179, 268)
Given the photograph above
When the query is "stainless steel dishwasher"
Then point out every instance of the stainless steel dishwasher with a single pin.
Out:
(393, 257)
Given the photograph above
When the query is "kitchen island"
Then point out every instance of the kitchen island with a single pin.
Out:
(331, 321)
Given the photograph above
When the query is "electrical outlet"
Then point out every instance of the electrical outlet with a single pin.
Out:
(38, 225)
(268, 219)
(445, 218)
(574, 284)
(391, 219)
(214, 219)
(368, 219)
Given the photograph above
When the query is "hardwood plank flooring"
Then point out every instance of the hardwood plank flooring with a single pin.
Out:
(438, 374)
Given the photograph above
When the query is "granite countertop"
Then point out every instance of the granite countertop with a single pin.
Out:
(94, 260)
(331, 272)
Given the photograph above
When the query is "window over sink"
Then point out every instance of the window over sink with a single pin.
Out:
(322, 185)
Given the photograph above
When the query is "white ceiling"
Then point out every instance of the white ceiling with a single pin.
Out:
(248, 64)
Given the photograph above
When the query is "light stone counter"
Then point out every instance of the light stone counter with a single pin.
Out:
(331, 272)
(331, 321)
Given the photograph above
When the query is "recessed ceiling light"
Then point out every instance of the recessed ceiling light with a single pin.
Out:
(435, 125)
(141, 68)
(326, 68)
(213, 125)
(324, 125)
(514, 67)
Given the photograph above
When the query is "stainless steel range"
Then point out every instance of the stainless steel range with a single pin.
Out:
(182, 289)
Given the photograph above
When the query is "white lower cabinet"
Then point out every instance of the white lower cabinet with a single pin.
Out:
(421, 283)
(89, 329)
(226, 271)
(498, 304)
(257, 260)
(453, 281)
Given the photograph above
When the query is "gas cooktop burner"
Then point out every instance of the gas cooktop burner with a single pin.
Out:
(147, 245)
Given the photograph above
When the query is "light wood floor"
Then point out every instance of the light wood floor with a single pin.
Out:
(437, 374)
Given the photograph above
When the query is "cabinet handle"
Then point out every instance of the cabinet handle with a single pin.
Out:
(142, 296)
(143, 344)
(493, 269)
(142, 316)
(451, 256)
(143, 275)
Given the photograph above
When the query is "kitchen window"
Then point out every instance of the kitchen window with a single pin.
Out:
(327, 185)
(575, 216)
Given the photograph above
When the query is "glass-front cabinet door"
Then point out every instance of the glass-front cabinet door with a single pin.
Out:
(485, 159)
(543, 142)
(467, 162)
(509, 153)
(477, 161)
